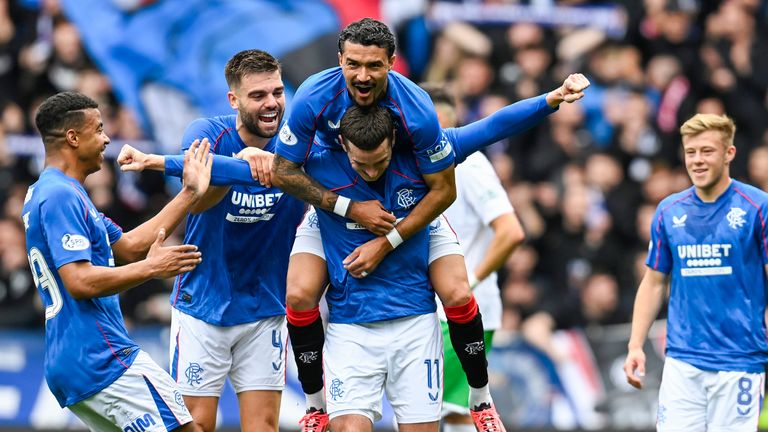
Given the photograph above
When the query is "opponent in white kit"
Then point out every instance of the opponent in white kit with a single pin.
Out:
(709, 242)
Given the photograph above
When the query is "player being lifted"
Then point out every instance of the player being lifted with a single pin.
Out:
(708, 243)
(91, 364)
(366, 55)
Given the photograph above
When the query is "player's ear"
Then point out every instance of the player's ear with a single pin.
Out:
(339, 55)
(72, 138)
(232, 99)
(392, 61)
(730, 153)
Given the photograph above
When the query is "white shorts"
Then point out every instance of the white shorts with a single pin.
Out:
(403, 357)
(691, 399)
(442, 239)
(203, 355)
(144, 398)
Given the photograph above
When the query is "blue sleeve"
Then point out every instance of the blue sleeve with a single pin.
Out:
(433, 150)
(114, 231)
(659, 254)
(199, 129)
(66, 229)
(298, 131)
(510, 120)
(226, 171)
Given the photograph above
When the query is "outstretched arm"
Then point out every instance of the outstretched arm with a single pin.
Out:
(134, 244)
(516, 118)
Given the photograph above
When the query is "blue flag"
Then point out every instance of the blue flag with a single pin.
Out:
(184, 44)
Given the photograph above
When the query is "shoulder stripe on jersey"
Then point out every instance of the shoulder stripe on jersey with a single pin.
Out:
(110, 345)
(110, 219)
(759, 214)
(82, 197)
(178, 288)
(402, 116)
(658, 227)
(319, 113)
(218, 138)
(346, 186)
(405, 176)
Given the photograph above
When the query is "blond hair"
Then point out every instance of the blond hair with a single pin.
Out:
(704, 122)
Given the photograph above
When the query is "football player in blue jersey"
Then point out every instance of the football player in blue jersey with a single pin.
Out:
(709, 246)
(229, 314)
(91, 364)
(311, 268)
(366, 55)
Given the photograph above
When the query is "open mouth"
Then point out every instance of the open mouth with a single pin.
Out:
(364, 90)
(268, 118)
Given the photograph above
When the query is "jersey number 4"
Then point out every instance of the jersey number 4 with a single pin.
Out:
(45, 280)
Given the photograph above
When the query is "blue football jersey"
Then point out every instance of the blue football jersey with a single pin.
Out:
(715, 254)
(399, 287)
(245, 240)
(322, 100)
(87, 346)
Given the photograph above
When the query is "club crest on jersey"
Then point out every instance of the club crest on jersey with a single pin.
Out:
(287, 137)
(735, 218)
(679, 222)
(405, 198)
(74, 242)
(312, 221)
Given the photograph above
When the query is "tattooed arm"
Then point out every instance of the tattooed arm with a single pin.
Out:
(291, 179)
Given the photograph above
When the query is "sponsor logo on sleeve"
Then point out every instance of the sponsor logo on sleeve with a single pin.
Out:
(287, 137)
(333, 125)
(679, 222)
(440, 151)
(75, 242)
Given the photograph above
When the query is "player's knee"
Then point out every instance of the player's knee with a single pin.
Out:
(300, 299)
(191, 427)
(458, 295)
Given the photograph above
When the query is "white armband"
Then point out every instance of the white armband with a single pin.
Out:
(394, 237)
(341, 206)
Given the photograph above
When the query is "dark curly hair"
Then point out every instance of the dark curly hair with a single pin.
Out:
(60, 112)
(367, 32)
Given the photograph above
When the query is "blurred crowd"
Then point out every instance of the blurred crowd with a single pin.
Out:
(585, 183)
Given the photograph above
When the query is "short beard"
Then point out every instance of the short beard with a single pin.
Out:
(251, 123)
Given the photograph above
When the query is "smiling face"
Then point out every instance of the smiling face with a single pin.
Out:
(91, 140)
(707, 159)
(365, 69)
(370, 164)
(259, 99)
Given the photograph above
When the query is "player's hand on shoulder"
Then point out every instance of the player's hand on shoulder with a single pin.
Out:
(169, 261)
(131, 159)
(573, 87)
(634, 367)
(261, 162)
(372, 215)
(198, 161)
